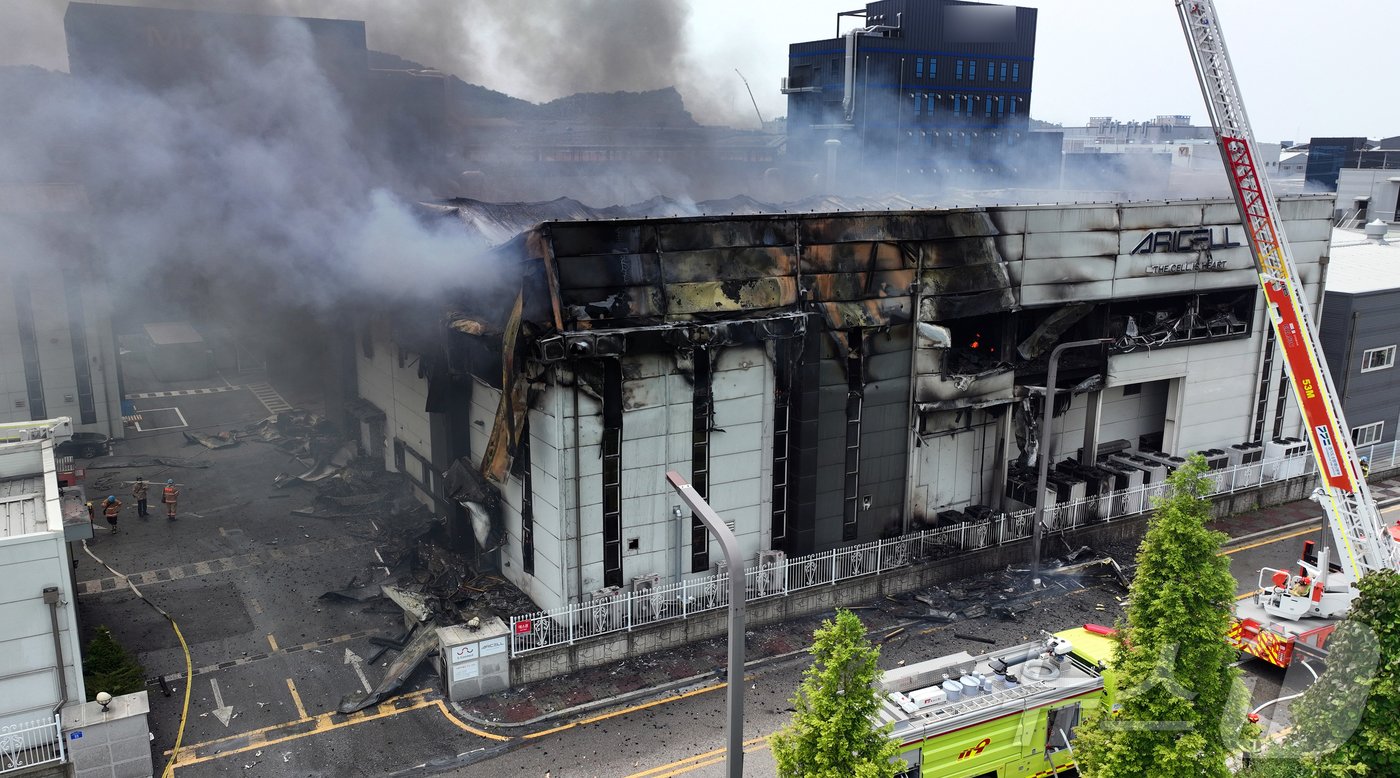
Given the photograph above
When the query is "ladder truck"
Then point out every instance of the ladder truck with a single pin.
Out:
(1292, 609)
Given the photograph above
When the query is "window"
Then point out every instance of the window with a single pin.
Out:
(701, 421)
(959, 72)
(928, 104)
(612, 473)
(1001, 106)
(1016, 71)
(1060, 727)
(836, 68)
(972, 70)
(1003, 71)
(933, 67)
(916, 104)
(1014, 100)
(1377, 359)
(955, 105)
(1368, 434)
(918, 67)
(987, 105)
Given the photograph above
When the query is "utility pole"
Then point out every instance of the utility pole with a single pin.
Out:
(1043, 457)
(734, 730)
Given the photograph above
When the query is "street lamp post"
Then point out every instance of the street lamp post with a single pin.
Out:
(1043, 458)
(734, 734)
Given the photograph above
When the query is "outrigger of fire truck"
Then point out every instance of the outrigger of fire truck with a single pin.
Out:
(1291, 611)
(1010, 712)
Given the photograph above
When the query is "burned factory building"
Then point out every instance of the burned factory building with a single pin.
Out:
(823, 378)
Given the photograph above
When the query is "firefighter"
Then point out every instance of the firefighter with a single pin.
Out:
(1301, 585)
(138, 491)
(169, 496)
(1365, 467)
(112, 510)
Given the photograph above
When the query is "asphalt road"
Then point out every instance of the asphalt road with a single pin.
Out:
(242, 578)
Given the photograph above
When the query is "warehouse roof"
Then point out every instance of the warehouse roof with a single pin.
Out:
(1361, 266)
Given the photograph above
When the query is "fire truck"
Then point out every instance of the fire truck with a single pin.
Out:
(1004, 713)
(1293, 610)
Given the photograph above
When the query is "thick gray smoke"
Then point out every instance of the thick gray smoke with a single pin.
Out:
(253, 182)
(539, 50)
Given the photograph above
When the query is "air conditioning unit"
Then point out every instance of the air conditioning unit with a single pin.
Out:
(1154, 475)
(1127, 487)
(1248, 459)
(772, 572)
(603, 611)
(1216, 461)
(1172, 463)
(646, 601)
(1285, 457)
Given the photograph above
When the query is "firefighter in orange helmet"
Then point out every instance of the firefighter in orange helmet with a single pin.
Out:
(170, 495)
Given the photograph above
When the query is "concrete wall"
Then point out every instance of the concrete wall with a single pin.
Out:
(661, 636)
(115, 743)
(398, 391)
(1352, 324)
(29, 684)
(50, 297)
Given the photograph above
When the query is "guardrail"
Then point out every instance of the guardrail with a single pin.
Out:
(626, 610)
(30, 744)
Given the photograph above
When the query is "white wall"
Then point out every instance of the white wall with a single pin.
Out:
(398, 391)
(1375, 184)
(29, 687)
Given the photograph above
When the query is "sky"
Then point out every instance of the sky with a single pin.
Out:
(1305, 69)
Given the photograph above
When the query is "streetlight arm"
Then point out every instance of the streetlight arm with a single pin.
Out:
(1043, 459)
(729, 544)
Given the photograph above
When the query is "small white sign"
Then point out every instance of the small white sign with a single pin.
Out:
(464, 653)
(465, 671)
(493, 646)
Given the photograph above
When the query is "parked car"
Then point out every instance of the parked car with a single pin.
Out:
(85, 445)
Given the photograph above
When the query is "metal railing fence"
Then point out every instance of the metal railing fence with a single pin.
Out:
(623, 610)
(30, 743)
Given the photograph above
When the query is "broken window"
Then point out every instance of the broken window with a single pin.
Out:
(782, 418)
(702, 410)
(612, 473)
(855, 402)
(1176, 320)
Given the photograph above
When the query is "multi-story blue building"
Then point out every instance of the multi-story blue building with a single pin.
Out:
(924, 94)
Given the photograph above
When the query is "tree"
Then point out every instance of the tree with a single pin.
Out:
(1344, 725)
(1179, 705)
(832, 733)
(109, 668)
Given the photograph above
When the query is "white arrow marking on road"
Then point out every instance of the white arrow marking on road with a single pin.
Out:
(222, 712)
(358, 662)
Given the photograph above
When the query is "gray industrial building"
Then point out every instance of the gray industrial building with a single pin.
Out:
(1360, 330)
(922, 96)
(825, 378)
(58, 356)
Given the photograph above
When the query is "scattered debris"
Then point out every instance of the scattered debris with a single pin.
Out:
(148, 462)
(961, 636)
(423, 642)
(217, 440)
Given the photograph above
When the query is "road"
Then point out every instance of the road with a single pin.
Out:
(684, 736)
(243, 578)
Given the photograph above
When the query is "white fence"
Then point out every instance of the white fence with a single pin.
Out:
(624, 610)
(30, 744)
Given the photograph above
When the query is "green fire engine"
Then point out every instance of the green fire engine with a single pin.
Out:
(1005, 714)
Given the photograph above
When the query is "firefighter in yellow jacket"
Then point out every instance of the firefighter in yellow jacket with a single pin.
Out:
(170, 495)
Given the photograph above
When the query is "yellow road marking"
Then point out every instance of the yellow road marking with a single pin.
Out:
(699, 760)
(624, 711)
(1274, 539)
(272, 641)
(324, 722)
(296, 699)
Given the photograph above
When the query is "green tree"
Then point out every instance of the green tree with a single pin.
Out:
(832, 734)
(1344, 725)
(1180, 704)
(109, 668)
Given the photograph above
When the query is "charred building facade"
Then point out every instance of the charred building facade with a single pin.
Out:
(822, 378)
(930, 94)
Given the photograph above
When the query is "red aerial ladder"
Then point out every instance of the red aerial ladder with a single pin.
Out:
(1291, 608)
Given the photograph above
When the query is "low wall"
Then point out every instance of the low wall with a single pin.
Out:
(115, 743)
(604, 649)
